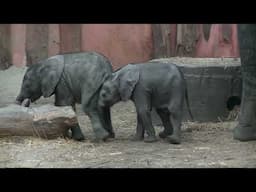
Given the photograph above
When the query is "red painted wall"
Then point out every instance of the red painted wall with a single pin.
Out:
(70, 38)
(217, 45)
(18, 41)
(121, 43)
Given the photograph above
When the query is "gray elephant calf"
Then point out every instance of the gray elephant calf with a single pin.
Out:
(148, 85)
(73, 78)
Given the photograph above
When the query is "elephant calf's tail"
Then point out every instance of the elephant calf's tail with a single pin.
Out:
(186, 94)
(187, 101)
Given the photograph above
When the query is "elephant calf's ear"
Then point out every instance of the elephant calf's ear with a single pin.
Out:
(50, 74)
(127, 83)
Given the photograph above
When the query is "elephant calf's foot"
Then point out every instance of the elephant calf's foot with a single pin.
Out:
(173, 139)
(136, 137)
(101, 136)
(77, 134)
(78, 137)
(111, 135)
(150, 139)
(164, 134)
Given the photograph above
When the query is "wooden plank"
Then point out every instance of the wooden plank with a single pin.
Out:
(187, 38)
(36, 42)
(227, 32)
(5, 46)
(173, 38)
(161, 40)
(54, 40)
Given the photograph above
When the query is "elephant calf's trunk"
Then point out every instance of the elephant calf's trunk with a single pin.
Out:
(26, 103)
(18, 100)
(23, 102)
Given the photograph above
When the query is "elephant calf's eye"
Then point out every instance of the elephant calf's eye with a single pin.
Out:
(103, 95)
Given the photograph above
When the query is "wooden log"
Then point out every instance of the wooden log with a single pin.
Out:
(45, 121)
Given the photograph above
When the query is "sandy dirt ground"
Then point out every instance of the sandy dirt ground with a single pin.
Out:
(204, 145)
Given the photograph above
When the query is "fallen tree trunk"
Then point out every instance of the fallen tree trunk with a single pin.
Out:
(46, 121)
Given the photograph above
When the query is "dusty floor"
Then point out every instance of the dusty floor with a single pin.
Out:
(203, 145)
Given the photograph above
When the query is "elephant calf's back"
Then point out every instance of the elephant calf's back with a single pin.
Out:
(160, 76)
(88, 59)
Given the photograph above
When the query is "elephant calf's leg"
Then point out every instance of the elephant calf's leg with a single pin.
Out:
(175, 138)
(165, 117)
(139, 131)
(106, 121)
(143, 106)
(76, 130)
(99, 131)
(145, 117)
(77, 133)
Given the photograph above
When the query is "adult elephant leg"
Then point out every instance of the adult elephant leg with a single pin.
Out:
(106, 118)
(165, 117)
(246, 128)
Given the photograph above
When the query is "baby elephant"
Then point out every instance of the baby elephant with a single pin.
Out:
(158, 85)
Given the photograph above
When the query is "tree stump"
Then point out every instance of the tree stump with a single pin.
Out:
(45, 121)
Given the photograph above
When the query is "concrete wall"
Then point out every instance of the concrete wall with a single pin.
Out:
(122, 43)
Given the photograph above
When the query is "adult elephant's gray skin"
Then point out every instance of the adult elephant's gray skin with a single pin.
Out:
(73, 78)
(246, 128)
(148, 85)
